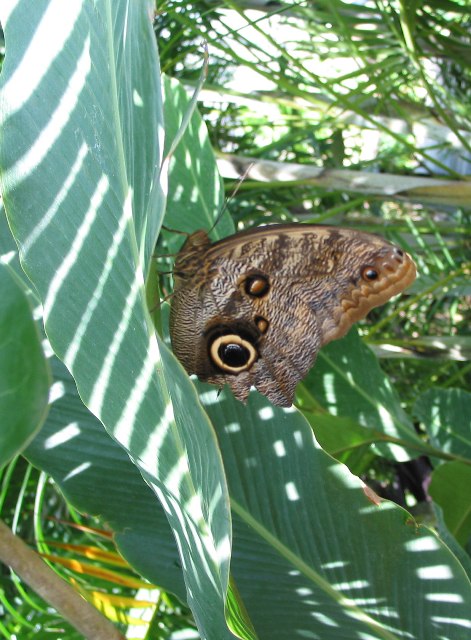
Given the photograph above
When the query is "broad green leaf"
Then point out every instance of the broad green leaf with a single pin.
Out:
(446, 416)
(350, 442)
(8, 248)
(313, 557)
(451, 541)
(79, 160)
(305, 533)
(450, 488)
(348, 381)
(76, 451)
(338, 435)
(195, 190)
(345, 439)
(24, 374)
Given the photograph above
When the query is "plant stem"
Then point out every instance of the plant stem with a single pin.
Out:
(53, 589)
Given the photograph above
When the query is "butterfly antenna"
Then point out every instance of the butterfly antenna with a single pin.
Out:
(157, 256)
(223, 209)
(235, 190)
(179, 231)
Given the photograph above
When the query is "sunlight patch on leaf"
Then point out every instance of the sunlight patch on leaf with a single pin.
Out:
(79, 469)
(289, 410)
(208, 397)
(444, 597)
(36, 153)
(366, 602)
(422, 544)
(291, 492)
(349, 586)
(57, 390)
(69, 432)
(342, 474)
(385, 612)
(22, 84)
(193, 505)
(328, 621)
(338, 564)
(174, 481)
(71, 257)
(223, 548)
(266, 413)
(456, 621)
(232, 427)
(101, 385)
(389, 423)
(279, 448)
(137, 98)
(97, 294)
(298, 439)
(330, 393)
(48, 216)
(156, 438)
(8, 257)
(438, 572)
(215, 500)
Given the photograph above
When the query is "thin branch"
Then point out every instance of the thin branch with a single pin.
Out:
(53, 589)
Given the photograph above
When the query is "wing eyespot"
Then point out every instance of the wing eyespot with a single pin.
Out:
(232, 353)
(256, 286)
(262, 324)
(369, 274)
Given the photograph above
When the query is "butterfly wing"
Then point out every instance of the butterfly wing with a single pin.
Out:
(255, 308)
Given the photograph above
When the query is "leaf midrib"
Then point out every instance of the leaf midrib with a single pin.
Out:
(309, 572)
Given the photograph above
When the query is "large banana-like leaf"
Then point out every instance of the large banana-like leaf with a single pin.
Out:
(73, 438)
(312, 556)
(315, 555)
(195, 189)
(348, 381)
(305, 533)
(80, 157)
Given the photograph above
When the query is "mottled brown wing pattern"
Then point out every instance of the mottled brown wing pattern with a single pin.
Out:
(255, 308)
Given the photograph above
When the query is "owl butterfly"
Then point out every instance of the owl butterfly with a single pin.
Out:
(255, 308)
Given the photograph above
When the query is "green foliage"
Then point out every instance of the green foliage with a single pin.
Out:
(188, 479)
(24, 377)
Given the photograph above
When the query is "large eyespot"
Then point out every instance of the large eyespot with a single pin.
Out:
(256, 285)
(369, 273)
(232, 353)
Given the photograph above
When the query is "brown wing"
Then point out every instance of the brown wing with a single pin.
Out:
(257, 306)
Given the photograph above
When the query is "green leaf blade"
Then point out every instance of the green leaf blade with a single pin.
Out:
(446, 415)
(348, 381)
(449, 488)
(24, 373)
(85, 209)
(314, 555)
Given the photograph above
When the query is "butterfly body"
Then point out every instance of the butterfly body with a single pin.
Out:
(254, 309)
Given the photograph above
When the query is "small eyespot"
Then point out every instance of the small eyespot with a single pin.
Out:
(368, 273)
(256, 286)
(232, 353)
(262, 324)
(400, 253)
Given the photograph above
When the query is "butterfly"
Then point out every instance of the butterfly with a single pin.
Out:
(254, 308)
